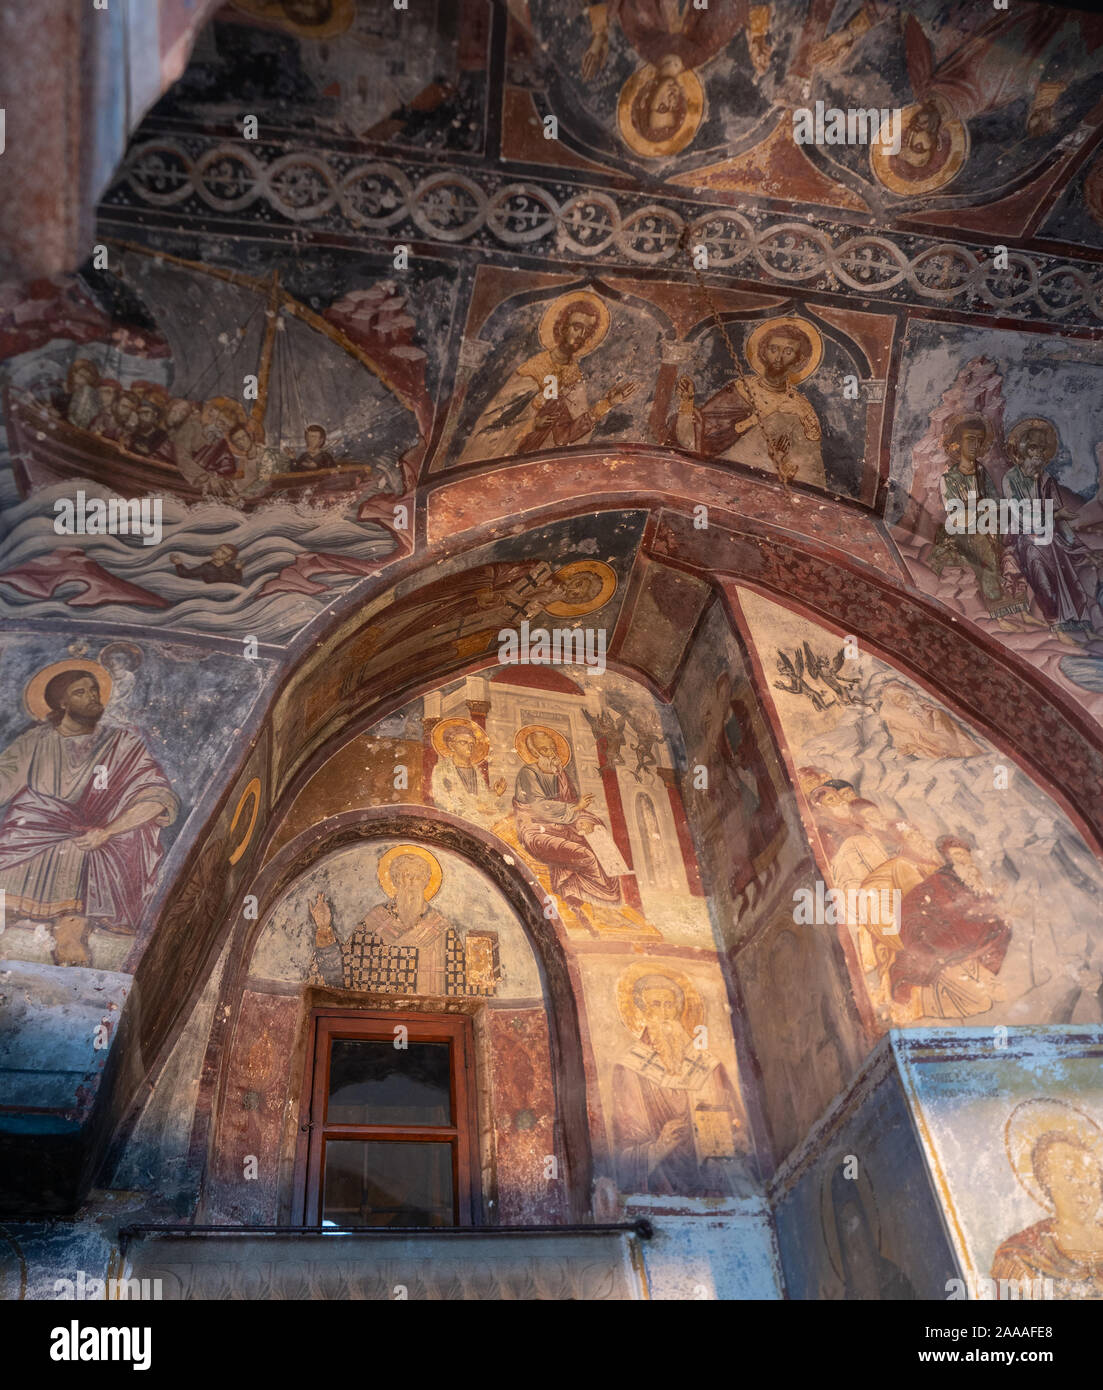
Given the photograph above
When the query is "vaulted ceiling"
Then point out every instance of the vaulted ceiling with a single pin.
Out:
(409, 294)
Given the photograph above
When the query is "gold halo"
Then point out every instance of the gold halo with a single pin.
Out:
(881, 161)
(419, 852)
(763, 330)
(693, 1011)
(439, 730)
(1016, 432)
(562, 747)
(694, 94)
(344, 12)
(252, 790)
(560, 305)
(1029, 1121)
(958, 419)
(608, 577)
(34, 692)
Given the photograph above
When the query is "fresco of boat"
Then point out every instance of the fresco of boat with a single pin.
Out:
(269, 334)
(47, 450)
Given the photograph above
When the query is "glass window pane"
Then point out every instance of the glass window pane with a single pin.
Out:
(376, 1083)
(388, 1183)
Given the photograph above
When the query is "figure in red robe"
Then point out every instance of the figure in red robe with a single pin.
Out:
(999, 64)
(79, 836)
(952, 943)
(658, 29)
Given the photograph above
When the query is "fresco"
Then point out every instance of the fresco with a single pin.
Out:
(573, 771)
(402, 945)
(276, 423)
(636, 78)
(705, 94)
(670, 1086)
(981, 413)
(553, 577)
(305, 65)
(110, 753)
(976, 85)
(424, 328)
(998, 895)
(738, 802)
(555, 377)
(857, 1218)
(100, 773)
(1014, 1125)
(545, 369)
(783, 407)
(393, 918)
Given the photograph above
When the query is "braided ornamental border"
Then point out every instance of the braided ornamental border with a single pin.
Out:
(452, 207)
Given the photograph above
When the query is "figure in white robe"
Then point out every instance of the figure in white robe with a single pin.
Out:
(677, 1118)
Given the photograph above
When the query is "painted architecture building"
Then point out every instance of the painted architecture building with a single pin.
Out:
(501, 726)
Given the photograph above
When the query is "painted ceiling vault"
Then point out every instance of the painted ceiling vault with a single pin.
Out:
(404, 326)
(399, 262)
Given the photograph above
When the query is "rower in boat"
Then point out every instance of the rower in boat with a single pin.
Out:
(202, 441)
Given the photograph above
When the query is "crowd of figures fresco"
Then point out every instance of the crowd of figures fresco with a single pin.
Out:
(129, 374)
(994, 433)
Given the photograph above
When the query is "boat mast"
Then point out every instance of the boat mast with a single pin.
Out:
(264, 371)
(291, 306)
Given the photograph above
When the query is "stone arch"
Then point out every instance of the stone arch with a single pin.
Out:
(523, 896)
(829, 557)
(830, 562)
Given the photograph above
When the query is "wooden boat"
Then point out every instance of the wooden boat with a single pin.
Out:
(47, 449)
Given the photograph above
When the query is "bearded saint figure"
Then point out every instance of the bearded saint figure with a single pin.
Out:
(762, 419)
(1063, 574)
(80, 832)
(676, 1115)
(402, 946)
(545, 403)
(661, 106)
(553, 821)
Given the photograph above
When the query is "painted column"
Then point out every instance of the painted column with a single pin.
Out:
(430, 719)
(618, 826)
(681, 825)
(477, 711)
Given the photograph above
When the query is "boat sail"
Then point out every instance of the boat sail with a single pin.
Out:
(308, 374)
